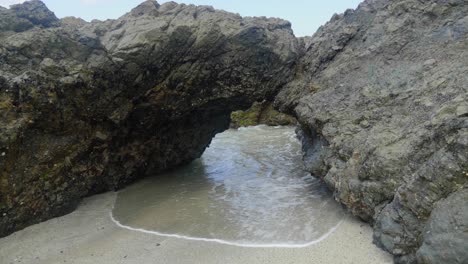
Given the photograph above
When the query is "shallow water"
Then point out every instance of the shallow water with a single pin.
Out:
(248, 187)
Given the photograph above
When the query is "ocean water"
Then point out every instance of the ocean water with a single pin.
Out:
(248, 189)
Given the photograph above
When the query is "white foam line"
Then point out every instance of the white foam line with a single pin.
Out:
(224, 242)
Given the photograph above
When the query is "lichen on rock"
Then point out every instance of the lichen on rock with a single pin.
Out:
(260, 113)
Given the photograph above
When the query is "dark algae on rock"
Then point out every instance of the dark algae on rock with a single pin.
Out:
(380, 94)
(382, 98)
(261, 113)
(90, 107)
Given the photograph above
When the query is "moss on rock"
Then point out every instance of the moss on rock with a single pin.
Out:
(261, 113)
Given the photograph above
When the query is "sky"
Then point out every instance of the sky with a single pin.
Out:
(306, 16)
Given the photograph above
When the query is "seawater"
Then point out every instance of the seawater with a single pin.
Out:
(248, 188)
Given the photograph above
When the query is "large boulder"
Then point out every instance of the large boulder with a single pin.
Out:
(446, 233)
(90, 107)
(381, 95)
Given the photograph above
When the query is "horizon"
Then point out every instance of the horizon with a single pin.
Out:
(305, 18)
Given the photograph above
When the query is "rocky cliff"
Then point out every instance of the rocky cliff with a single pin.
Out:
(380, 93)
(382, 97)
(89, 107)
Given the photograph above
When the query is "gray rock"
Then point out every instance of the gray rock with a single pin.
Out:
(36, 12)
(381, 93)
(446, 232)
(91, 107)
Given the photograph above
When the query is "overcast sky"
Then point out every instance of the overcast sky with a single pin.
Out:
(306, 15)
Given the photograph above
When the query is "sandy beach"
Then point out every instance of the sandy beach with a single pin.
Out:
(89, 235)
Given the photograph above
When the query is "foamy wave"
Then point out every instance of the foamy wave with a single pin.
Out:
(225, 242)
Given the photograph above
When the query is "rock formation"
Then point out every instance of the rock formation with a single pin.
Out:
(382, 98)
(90, 107)
(380, 93)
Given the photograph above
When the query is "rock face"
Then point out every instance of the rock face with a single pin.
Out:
(89, 107)
(382, 98)
(446, 232)
(380, 93)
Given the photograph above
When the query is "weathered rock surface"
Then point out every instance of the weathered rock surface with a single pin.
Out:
(446, 232)
(382, 97)
(261, 113)
(89, 107)
(380, 93)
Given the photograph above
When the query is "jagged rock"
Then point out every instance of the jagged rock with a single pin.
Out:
(380, 93)
(381, 96)
(36, 12)
(25, 16)
(90, 107)
(446, 232)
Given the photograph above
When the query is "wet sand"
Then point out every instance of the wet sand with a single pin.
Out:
(89, 235)
(258, 193)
